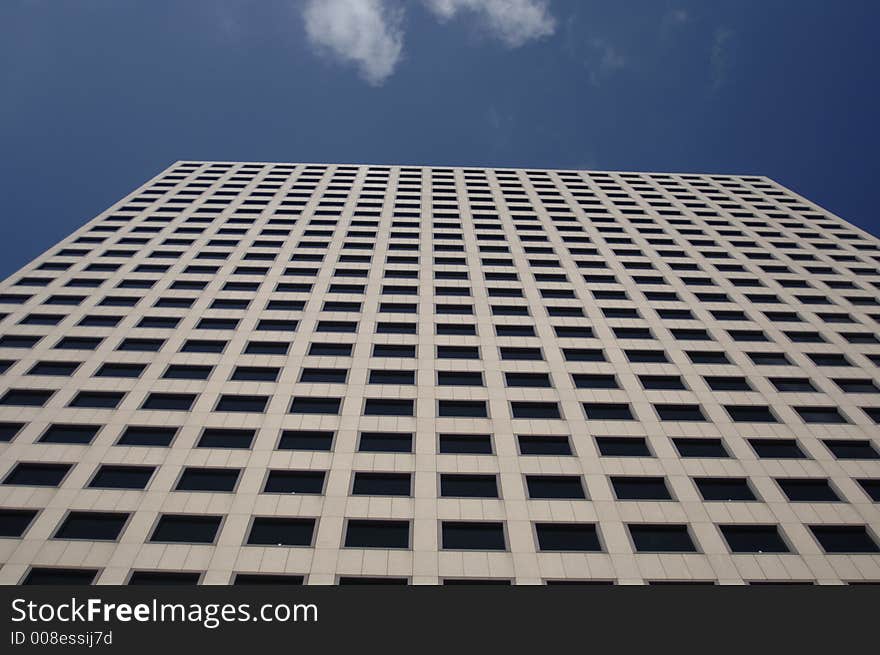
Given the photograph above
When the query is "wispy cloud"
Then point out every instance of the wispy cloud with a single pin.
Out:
(366, 33)
(720, 56)
(514, 22)
(606, 61)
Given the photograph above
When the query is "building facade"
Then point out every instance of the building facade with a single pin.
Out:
(247, 372)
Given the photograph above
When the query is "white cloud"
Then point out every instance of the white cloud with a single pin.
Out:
(720, 58)
(515, 22)
(608, 60)
(367, 33)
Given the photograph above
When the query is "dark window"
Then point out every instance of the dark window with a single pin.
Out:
(13, 522)
(724, 489)
(640, 488)
(680, 412)
(186, 372)
(708, 357)
(306, 405)
(594, 381)
(727, 383)
(164, 578)
(147, 436)
(256, 373)
(267, 579)
(534, 444)
(50, 576)
(753, 539)
(54, 368)
(555, 486)
(118, 370)
(305, 440)
(577, 355)
(169, 401)
(623, 446)
(777, 448)
(811, 490)
(820, 415)
(539, 410)
(26, 397)
(464, 408)
(468, 485)
(207, 479)
(389, 407)
(33, 474)
(280, 348)
(294, 482)
(276, 531)
(386, 442)
(856, 385)
(472, 535)
(95, 526)
(9, 430)
(75, 434)
(567, 537)
(852, 448)
(330, 375)
(792, 385)
(661, 538)
(844, 538)
(527, 379)
(381, 484)
(186, 528)
(111, 476)
(141, 345)
(202, 346)
(458, 352)
(521, 353)
(660, 382)
(750, 414)
(872, 488)
(608, 411)
(393, 350)
(232, 403)
(646, 356)
(393, 377)
(471, 444)
(363, 533)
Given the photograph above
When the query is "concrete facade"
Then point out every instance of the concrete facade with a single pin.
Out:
(704, 346)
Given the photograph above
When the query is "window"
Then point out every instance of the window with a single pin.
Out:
(135, 435)
(73, 434)
(793, 385)
(856, 385)
(389, 407)
(607, 411)
(462, 408)
(393, 350)
(646, 356)
(724, 489)
(458, 352)
(276, 531)
(578, 355)
(466, 444)
(872, 488)
(753, 539)
(623, 447)
(267, 579)
(393, 377)
(386, 442)
(537, 410)
(640, 488)
(32, 474)
(207, 479)
(555, 486)
(55, 368)
(661, 538)
(329, 375)
(306, 440)
(810, 490)
(473, 535)
(186, 528)
(363, 533)
(169, 401)
(94, 526)
(111, 476)
(820, 415)
(680, 412)
(233, 403)
(164, 578)
(777, 448)
(511, 353)
(460, 485)
(50, 576)
(183, 372)
(567, 537)
(14, 522)
(365, 580)
(750, 414)
(202, 346)
(26, 397)
(844, 538)
(534, 444)
(141, 345)
(9, 430)
(381, 484)
(707, 357)
(594, 381)
(256, 373)
(294, 482)
(727, 383)
(852, 448)
(650, 382)
(306, 405)
(280, 348)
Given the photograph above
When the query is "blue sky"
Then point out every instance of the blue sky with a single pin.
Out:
(99, 95)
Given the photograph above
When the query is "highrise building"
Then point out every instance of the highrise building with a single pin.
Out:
(250, 372)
